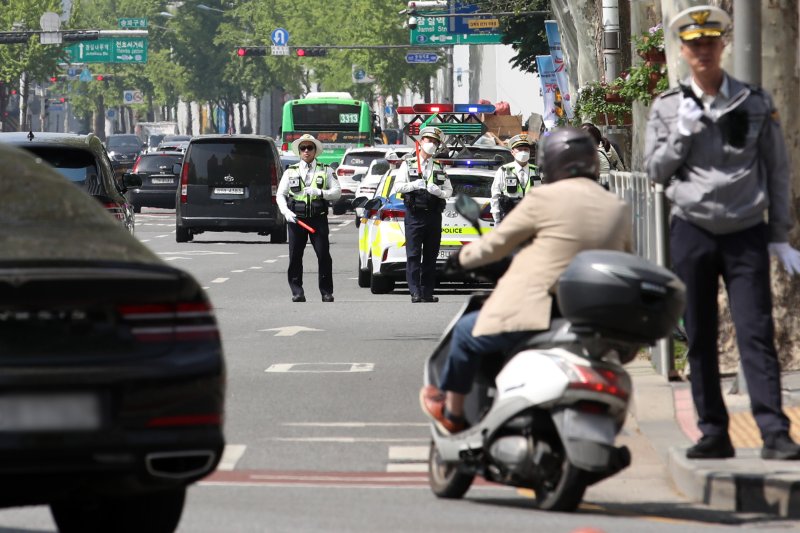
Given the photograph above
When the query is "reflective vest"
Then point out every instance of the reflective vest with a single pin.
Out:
(422, 200)
(511, 186)
(297, 184)
(437, 171)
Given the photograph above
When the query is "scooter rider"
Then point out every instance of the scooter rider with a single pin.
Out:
(425, 189)
(513, 180)
(571, 214)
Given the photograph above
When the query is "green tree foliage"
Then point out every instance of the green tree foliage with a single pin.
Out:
(525, 33)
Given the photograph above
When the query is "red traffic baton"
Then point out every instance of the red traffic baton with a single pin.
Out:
(306, 226)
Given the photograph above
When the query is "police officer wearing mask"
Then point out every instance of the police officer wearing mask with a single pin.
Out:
(717, 144)
(513, 180)
(303, 194)
(425, 188)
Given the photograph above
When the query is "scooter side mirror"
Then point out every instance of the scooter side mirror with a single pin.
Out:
(469, 209)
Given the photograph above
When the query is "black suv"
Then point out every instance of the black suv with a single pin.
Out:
(123, 148)
(228, 183)
(83, 161)
(159, 182)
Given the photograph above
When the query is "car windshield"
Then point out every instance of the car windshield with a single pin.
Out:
(220, 163)
(158, 163)
(473, 185)
(153, 140)
(362, 159)
(78, 166)
(123, 143)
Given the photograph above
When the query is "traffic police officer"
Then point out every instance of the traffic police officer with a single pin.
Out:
(303, 194)
(425, 188)
(513, 180)
(717, 143)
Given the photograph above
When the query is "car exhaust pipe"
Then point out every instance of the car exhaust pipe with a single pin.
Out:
(179, 465)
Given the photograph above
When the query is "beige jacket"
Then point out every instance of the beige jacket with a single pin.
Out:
(552, 223)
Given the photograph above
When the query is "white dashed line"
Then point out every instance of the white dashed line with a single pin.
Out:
(270, 261)
(256, 268)
(220, 280)
(287, 255)
(144, 240)
(237, 271)
(161, 236)
(231, 456)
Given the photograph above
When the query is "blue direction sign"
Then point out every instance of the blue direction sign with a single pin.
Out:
(422, 57)
(280, 37)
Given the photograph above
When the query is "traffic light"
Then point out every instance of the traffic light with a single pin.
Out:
(312, 52)
(56, 79)
(104, 77)
(243, 51)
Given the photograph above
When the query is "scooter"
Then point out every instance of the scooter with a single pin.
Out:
(545, 416)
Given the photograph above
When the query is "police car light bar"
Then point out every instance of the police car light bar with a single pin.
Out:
(405, 110)
(433, 108)
(467, 162)
(473, 108)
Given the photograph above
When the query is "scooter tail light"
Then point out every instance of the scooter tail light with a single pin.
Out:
(602, 380)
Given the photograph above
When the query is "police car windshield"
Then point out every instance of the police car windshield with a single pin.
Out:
(473, 185)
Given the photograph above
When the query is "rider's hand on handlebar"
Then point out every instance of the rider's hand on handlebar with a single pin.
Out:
(452, 265)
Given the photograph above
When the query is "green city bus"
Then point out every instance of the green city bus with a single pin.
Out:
(335, 119)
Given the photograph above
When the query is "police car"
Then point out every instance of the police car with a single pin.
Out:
(381, 235)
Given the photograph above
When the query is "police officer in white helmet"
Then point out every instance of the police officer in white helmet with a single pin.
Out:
(425, 189)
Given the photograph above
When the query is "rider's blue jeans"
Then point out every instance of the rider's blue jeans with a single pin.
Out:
(466, 351)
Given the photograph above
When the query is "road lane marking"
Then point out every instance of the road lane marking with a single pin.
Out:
(308, 368)
(176, 258)
(344, 440)
(220, 280)
(256, 268)
(161, 236)
(198, 252)
(232, 271)
(287, 255)
(407, 467)
(270, 260)
(230, 456)
(290, 331)
(355, 424)
(409, 453)
(144, 240)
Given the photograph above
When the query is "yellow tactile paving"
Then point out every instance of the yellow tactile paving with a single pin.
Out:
(744, 432)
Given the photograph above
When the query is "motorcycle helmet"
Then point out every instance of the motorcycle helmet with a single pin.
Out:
(567, 152)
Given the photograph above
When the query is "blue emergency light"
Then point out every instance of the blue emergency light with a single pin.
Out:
(473, 108)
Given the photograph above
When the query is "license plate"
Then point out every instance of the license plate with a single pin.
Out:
(589, 426)
(49, 412)
(447, 252)
(162, 180)
(228, 190)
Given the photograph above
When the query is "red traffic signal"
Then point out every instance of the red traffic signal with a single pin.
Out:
(312, 52)
(251, 51)
(104, 77)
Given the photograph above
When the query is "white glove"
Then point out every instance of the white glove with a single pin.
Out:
(290, 217)
(313, 191)
(689, 115)
(434, 189)
(787, 255)
(419, 184)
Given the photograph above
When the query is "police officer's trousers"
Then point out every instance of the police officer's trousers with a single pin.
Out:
(423, 238)
(742, 259)
(298, 237)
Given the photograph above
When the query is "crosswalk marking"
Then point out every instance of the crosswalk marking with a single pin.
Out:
(408, 459)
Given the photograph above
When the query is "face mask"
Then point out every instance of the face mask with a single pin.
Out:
(522, 157)
(429, 148)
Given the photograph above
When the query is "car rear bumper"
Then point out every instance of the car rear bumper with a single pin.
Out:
(151, 198)
(228, 224)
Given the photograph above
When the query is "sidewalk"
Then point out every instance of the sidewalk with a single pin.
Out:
(746, 483)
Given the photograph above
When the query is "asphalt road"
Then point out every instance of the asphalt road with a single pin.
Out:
(323, 425)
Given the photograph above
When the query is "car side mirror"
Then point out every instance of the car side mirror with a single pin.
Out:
(176, 169)
(358, 202)
(334, 165)
(374, 203)
(130, 181)
(358, 177)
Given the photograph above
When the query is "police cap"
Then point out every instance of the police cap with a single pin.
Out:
(700, 21)
(520, 140)
(432, 132)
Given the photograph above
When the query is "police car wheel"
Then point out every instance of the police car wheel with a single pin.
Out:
(380, 284)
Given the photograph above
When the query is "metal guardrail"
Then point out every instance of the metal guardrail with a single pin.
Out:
(649, 224)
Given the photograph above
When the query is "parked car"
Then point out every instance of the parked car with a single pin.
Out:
(112, 366)
(228, 183)
(353, 167)
(123, 149)
(159, 182)
(369, 183)
(83, 161)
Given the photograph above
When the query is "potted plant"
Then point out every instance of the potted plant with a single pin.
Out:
(597, 105)
(644, 82)
(650, 45)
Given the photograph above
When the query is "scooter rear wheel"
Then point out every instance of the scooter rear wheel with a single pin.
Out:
(563, 489)
(445, 479)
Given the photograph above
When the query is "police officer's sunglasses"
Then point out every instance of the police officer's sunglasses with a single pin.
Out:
(306, 147)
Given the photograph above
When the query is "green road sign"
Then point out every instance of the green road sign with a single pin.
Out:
(132, 23)
(111, 50)
(434, 31)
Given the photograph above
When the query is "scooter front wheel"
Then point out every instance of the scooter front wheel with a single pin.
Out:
(445, 479)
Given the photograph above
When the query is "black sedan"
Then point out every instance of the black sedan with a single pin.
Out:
(112, 376)
(158, 181)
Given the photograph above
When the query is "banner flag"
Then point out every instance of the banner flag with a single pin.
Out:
(554, 41)
(547, 76)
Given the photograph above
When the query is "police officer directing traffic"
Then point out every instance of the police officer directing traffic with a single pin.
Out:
(303, 194)
(513, 180)
(425, 188)
(717, 143)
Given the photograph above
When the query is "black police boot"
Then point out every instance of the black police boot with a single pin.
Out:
(780, 445)
(299, 298)
(712, 447)
(415, 299)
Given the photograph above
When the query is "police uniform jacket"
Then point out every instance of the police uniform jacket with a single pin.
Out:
(724, 177)
(557, 221)
(498, 184)
(405, 181)
(306, 174)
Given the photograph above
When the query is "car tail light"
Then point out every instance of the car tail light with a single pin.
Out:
(184, 182)
(486, 213)
(345, 171)
(372, 213)
(211, 419)
(136, 164)
(603, 380)
(181, 322)
(273, 175)
(115, 209)
(392, 214)
(285, 147)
